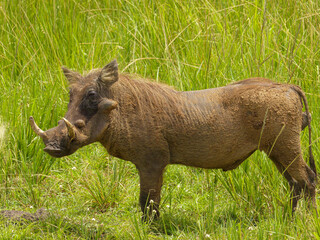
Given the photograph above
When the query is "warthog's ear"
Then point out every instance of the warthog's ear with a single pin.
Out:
(72, 76)
(107, 105)
(109, 74)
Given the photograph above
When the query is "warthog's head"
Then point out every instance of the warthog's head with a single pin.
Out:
(87, 117)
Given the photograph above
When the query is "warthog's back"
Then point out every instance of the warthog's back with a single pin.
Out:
(223, 125)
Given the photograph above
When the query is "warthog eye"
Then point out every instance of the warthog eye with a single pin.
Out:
(89, 104)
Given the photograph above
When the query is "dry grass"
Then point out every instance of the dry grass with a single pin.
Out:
(2, 133)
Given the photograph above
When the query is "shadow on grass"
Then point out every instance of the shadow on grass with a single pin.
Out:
(62, 226)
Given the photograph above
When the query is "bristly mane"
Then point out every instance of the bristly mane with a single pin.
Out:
(155, 102)
(144, 96)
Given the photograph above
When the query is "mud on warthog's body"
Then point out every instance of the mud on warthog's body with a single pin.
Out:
(153, 125)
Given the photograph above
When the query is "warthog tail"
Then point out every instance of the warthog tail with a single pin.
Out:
(303, 96)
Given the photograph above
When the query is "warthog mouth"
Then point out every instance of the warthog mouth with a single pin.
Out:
(55, 151)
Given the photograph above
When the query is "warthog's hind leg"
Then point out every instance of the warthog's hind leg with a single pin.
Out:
(288, 158)
(294, 186)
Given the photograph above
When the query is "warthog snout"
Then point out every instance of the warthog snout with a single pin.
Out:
(57, 140)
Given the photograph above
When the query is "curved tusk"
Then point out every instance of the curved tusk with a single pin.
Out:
(70, 128)
(36, 129)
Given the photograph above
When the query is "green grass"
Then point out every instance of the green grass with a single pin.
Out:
(190, 45)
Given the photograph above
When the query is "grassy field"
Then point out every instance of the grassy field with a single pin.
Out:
(187, 44)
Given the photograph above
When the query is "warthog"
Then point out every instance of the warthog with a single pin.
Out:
(153, 125)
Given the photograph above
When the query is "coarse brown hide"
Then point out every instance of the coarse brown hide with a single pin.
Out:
(153, 125)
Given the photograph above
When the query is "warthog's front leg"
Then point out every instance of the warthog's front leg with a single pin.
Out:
(150, 188)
